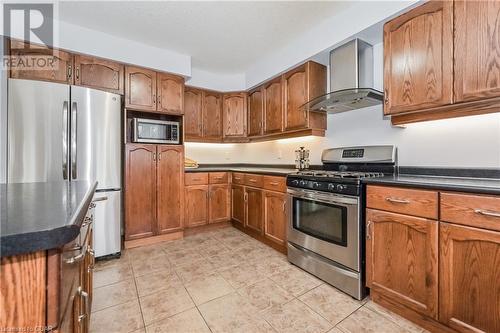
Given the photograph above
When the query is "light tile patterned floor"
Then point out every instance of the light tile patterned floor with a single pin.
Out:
(224, 281)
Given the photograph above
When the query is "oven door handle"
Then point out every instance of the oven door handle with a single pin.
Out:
(325, 198)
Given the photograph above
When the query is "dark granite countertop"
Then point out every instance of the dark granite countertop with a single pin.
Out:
(280, 170)
(42, 216)
(474, 185)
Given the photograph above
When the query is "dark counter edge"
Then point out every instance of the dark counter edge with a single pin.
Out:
(233, 168)
(13, 245)
(390, 181)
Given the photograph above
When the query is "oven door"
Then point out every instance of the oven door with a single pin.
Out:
(325, 223)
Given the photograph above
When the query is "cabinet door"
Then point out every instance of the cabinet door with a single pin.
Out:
(99, 74)
(235, 115)
(275, 217)
(170, 188)
(255, 112)
(140, 88)
(57, 65)
(418, 58)
(219, 203)
(469, 278)
(212, 115)
(196, 205)
(253, 209)
(401, 259)
(140, 190)
(295, 95)
(477, 50)
(193, 115)
(238, 204)
(273, 107)
(170, 94)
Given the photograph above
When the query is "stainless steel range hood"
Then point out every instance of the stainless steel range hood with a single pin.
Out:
(351, 80)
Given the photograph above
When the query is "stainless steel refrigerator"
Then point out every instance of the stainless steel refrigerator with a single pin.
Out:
(59, 132)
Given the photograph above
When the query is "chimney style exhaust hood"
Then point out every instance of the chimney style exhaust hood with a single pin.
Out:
(351, 80)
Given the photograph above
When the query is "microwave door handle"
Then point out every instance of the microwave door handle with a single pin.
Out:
(74, 110)
(65, 140)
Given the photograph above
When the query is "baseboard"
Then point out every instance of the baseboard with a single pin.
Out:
(153, 240)
(428, 323)
(206, 227)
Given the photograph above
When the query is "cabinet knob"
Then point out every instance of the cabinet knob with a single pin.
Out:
(386, 97)
(368, 230)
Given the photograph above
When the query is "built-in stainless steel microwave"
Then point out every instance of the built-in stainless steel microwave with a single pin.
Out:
(155, 131)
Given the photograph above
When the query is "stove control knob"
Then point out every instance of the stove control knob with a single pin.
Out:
(295, 182)
(331, 187)
(316, 184)
(339, 187)
(303, 183)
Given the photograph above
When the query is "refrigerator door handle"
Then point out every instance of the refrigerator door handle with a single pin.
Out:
(65, 140)
(74, 173)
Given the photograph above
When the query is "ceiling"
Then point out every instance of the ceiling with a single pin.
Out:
(221, 37)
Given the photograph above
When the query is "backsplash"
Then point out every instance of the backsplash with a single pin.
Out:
(462, 142)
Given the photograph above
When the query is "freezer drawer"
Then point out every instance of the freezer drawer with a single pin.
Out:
(107, 223)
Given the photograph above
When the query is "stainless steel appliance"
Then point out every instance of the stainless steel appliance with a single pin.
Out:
(58, 132)
(155, 131)
(326, 207)
(351, 80)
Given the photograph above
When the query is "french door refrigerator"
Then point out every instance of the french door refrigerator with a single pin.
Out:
(59, 132)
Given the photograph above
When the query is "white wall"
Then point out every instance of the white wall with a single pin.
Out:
(216, 81)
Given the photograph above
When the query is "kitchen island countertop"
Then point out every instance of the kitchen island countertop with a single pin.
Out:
(42, 216)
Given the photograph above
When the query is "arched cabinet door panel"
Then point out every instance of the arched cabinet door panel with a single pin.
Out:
(140, 89)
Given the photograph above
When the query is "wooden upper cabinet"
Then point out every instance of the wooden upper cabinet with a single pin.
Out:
(170, 188)
(140, 190)
(59, 63)
(219, 206)
(469, 283)
(273, 107)
(140, 88)
(477, 50)
(418, 58)
(234, 112)
(301, 85)
(193, 115)
(402, 259)
(275, 217)
(99, 73)
(255, 109)
(170, 94)
(238, 204)
(196, 205)
(212, 115)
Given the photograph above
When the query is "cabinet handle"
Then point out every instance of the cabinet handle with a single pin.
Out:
(487, 213)
(85, 296)
(159, 156)
(386, 97)
(237, 178)
(368, 230)
(246, 197)
(77, 73)
(273, 183)
(92, 260)
(87, 221)
(399, 201)
(284, 206)
(220, 177)
(154, 156)
(154, 98)
(252, 181)
(79, 257)
(70, 71)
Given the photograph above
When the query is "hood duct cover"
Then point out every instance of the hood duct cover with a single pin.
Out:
(351, 80)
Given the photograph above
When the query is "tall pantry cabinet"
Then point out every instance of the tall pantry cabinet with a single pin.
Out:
(154, 183)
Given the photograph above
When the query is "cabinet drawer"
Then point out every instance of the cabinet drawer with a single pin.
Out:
(254, 180)
(196, 178)
(217, 177)
(238, 178)
(274, 183)
(473, 210)
(405, 201)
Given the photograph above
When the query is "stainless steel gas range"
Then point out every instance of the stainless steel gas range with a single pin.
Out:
(326, 213)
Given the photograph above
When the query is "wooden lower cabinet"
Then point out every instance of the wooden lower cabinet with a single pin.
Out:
(196, 205)
(219, 205)
(253, 209)
(275, 216)
(154, 190)
(469, 278)
(238, 204)
(402, 259)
